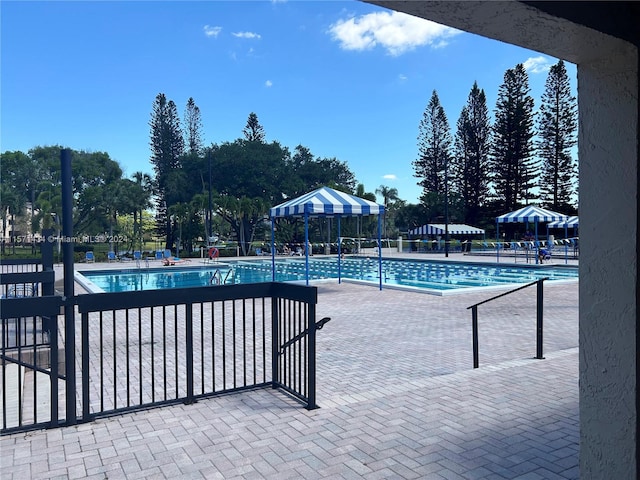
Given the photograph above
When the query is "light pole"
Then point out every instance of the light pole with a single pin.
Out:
(209, 219)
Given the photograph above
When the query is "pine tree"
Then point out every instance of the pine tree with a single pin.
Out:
(253, 131)
(193, 128)
(557, 125)
(167, 146)
(470, 164)
(513, 166)
(434, 144)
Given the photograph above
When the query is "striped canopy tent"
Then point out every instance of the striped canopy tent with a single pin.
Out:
(529, 214)
(325, 202)
(453, 229)
(570, 222)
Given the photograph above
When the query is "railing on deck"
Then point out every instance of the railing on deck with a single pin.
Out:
(147, 348)
(539, 318)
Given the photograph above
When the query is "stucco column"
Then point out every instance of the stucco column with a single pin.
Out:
(608, 149)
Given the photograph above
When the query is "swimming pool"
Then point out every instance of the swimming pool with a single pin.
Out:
(421, 275)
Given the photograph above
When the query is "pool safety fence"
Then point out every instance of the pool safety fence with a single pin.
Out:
(29, 277)
(133, 350)
(560, 246)
(539, 319)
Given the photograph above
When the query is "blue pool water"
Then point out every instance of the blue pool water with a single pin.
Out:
(426, 275)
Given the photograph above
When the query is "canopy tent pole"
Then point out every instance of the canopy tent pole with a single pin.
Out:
(306, 245)
(535, 222)
(497, 242)
(380, 249)
(339, 253)
(273, 250)
(566, 246)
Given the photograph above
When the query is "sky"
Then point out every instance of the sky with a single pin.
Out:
(343, 78)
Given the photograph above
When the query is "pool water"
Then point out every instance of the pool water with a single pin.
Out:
(427, 275)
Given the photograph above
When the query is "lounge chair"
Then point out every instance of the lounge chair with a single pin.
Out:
(174, 261)
(89, 257)
(22, 290)
(112, 257)
(159, 255)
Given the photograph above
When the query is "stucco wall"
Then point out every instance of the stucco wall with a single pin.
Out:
(609, 154)
(608, 149)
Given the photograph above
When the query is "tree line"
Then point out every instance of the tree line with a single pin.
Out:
(486, 169)
(239, 179)
(32, 181)
(195, 191)
(199, 191)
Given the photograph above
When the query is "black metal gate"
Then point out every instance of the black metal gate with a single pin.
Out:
(136, 350)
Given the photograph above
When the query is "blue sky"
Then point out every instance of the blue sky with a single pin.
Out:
(345, 79)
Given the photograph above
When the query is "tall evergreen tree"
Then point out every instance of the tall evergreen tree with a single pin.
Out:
(470, 164)
(434, 145)
(557, 124)
(513, 166)
(253, 131)
(167, 146)
(193, 128)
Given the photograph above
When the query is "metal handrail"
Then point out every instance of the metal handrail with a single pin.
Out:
(539, 318)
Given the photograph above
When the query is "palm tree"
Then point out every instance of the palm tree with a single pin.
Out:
(144, 184)
(389, 195)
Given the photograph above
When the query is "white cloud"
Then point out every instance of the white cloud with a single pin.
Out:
(402, 77)
(396, 32)
(537, 64)
(210, 31)
(390, 176)
(268, 83)
(246, 35)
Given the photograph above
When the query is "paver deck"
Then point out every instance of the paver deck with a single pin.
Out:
(398, 399)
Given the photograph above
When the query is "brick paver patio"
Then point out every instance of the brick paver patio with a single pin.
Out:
(398, 399)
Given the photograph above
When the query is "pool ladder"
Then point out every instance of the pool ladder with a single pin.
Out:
(216, 278)
(139, 262)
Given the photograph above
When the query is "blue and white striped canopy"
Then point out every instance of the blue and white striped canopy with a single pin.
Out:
(531, 214)
(326, 201)
(453, 228)
(569, 222)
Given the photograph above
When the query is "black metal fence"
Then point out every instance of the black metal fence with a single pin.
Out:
(29, 277)
(140, 349)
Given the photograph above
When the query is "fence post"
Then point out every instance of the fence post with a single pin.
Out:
(189, 347)
(275, 341)
(474, 322)
(69, 304)
(539, 318)
(311, 358)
